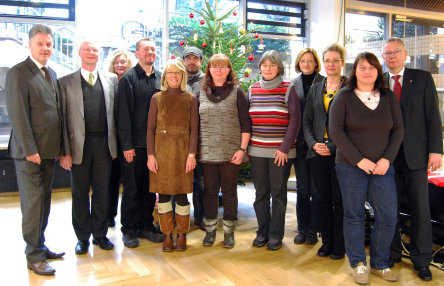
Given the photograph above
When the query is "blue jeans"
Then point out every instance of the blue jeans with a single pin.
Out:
(380, 191)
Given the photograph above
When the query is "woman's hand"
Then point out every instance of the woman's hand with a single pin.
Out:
(238, 157)
(366, 165)
(191, 164)
(381, 167)
(152, 164)
(281, 158)
(321, 149)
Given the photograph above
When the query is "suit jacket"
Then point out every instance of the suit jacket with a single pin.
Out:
(297, 81)
(34, 109)
(316, 119)
(73, 112)
(422, 120)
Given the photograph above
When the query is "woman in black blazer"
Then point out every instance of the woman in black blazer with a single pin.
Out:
(321, 153)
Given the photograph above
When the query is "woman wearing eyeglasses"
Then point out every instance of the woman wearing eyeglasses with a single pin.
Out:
(308, 66)
(366, 124)
(224, 133)
(171, 146)
(275, 116)
(321, 153)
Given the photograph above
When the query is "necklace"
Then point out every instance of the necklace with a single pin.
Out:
(330, 95)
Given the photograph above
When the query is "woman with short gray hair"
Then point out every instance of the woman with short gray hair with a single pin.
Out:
(275, 117)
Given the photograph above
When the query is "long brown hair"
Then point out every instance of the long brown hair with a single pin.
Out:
(219, 59)
(373, 61)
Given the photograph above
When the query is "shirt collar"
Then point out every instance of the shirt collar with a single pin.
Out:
(85, 74)
(39, 65)
(401, 73)
(141, 71)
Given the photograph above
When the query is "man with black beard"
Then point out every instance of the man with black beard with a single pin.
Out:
(192, 60)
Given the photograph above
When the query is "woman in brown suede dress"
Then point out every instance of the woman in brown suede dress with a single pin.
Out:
(172, 142)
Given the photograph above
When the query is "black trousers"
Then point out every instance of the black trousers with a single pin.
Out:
(327, 201)
(94, 172)
(198, 193)
(137, 205)
(114, 187)
(305, 212)
(221, 177)
(34, 183)
(414, 184)
(270, 181)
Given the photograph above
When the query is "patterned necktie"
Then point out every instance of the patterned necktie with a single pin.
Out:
(397, 89)
(90, 79)
(48, 77)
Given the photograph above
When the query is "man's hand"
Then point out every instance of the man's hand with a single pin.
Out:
(129, 155)
(66, 162)
(34, 158)
(434, 162)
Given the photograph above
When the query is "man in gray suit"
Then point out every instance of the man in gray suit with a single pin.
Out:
(33, 105)
(91, 144)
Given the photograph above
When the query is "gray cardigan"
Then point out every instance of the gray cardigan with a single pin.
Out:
(316, 119)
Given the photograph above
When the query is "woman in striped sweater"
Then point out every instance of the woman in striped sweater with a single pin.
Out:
(275, 117)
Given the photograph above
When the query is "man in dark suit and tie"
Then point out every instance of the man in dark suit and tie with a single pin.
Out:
(34, 109)
(420, 151)
(91, 144)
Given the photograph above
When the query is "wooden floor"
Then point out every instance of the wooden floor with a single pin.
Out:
(148, 265)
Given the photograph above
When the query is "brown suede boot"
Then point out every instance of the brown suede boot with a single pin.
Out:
(182, 226)
(166, 225)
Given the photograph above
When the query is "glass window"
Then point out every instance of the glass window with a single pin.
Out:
(49, 9)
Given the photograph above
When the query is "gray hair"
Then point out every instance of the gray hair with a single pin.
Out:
(392, 40)
(275, 58)
(39, 28)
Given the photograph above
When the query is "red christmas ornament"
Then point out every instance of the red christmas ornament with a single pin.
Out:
(256, 35)
(234, 13)
(173, 57)
(202, 22)
(250, 57)
(191, 15)
(246, 74)
(181, 43)
(204, 45)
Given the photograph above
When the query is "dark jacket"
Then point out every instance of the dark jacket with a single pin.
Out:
(422, 121)
(316, 119)
(133, 102)
(297, 81)
(193, 83)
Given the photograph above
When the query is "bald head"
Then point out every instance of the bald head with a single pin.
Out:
(89, 55)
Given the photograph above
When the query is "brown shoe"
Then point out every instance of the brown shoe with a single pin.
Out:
(181, 242)
(386, 274)
(167, 242)
(41, 268)
(182, 226)
(360, 274)
(54, 255)
(166, 225)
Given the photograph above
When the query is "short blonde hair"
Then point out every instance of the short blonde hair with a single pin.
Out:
(308, 51)
(177, 64)
(335, 48)
(117, 54)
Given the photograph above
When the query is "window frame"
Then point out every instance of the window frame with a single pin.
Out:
(70, 7)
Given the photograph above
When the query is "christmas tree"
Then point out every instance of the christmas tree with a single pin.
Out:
(215, 35)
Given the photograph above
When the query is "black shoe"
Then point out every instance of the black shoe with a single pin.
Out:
(104, 243)
(300, 238)
(111, 222)
(274, 244)
(337, 254)
(324, 251)
(424, 273)
(130, 240)
(259, 241)
(229, 240)
(152, 235)
(392, 261)
(82, 246)
(209, 238)
(312, 238)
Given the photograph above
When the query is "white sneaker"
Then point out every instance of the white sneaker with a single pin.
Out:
(360, 274)
(386, 274)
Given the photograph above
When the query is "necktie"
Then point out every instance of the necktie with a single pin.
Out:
(48, 77)
(397, 87)
(90, 79)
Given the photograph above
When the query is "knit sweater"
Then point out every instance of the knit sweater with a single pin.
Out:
(360, 132)
(275, 117)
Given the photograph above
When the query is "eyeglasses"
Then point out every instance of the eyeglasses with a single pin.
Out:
(174, 73)
(335, 61)
(91, 50)
(266, 67)
(394, 53)
(219, 67)
(120, 63)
